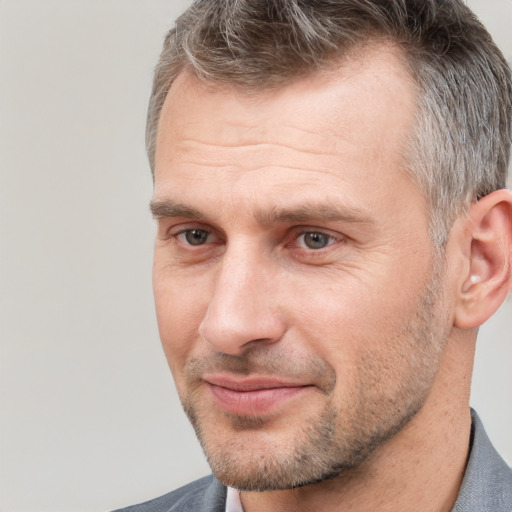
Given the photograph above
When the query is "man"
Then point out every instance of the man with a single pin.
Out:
(333, 228)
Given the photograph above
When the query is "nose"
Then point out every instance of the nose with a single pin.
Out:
(243, 311)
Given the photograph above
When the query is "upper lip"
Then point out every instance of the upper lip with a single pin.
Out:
(253, 383)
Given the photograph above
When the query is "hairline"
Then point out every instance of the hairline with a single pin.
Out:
(356, 53)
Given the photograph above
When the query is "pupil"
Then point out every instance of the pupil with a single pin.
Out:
(196, 236)
(316, 240)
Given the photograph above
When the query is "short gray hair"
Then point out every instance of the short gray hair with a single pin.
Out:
(460, 146)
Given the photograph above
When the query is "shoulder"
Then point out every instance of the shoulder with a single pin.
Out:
(206, 495)
(487, 484)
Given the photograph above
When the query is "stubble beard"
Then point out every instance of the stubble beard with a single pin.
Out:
(336, 441)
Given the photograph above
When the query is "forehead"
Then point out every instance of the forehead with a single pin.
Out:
(350, 124)
(374, 77)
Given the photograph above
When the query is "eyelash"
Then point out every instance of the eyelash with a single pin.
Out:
(295, 238)
(185, 232)
(330, 240)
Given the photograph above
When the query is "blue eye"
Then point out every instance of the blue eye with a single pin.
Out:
(314, 240)
(195, 236)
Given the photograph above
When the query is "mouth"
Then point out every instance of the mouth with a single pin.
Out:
(252, 396)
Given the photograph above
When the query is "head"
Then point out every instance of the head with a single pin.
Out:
(459, 147)
(311, 163)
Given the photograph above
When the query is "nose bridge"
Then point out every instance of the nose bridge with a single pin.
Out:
(242, 309)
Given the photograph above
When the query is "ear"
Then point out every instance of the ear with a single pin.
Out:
(489, 270)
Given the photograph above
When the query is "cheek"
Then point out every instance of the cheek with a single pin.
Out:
(360, 322)
(351, 308)
(179, 311)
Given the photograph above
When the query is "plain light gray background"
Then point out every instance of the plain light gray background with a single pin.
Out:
(89, 419)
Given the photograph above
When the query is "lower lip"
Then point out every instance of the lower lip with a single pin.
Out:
(253, 403)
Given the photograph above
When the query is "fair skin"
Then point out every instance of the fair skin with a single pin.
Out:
(311, 337)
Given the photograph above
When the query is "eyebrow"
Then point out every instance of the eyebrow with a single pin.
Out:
(166, 209)
(306, 212)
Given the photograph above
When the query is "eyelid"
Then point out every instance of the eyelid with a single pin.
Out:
(181, 236)
(304, 230)
(171, 227)
(176, 233)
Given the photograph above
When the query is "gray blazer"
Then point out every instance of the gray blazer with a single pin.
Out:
(487, 485)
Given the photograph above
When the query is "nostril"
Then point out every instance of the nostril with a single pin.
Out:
(235, 332)
(241, 312)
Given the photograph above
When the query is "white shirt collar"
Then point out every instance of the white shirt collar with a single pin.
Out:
(233, 503)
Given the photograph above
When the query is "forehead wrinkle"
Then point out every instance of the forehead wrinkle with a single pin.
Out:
(192, 144)
(254, 156)
(261, 133)
(249, 168)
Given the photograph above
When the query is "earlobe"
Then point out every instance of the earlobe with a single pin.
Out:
(489, 276)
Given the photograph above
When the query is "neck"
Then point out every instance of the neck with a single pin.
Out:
(421, 468)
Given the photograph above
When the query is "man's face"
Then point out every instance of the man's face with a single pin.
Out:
(293, 273)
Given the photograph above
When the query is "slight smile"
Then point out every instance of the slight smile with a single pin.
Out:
(252, 396)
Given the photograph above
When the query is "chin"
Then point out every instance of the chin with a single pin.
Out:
(257, 458)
